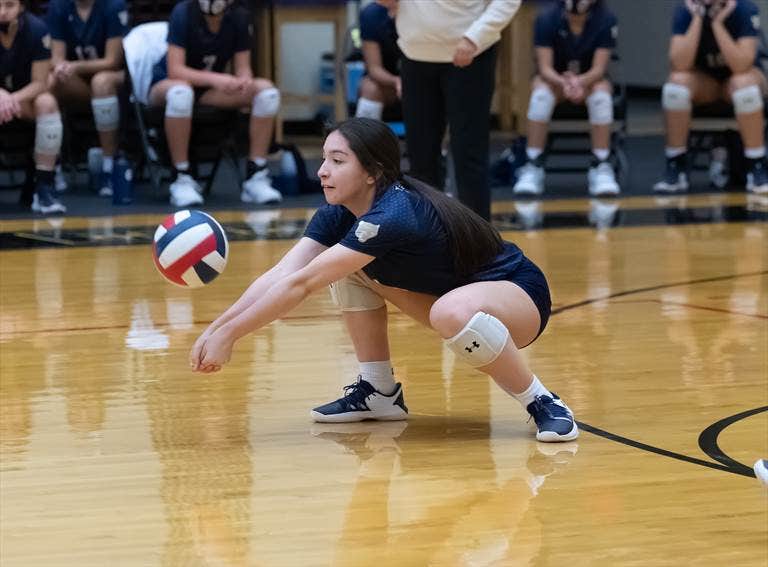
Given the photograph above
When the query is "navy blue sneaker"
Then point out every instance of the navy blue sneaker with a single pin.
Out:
(757, 178)
(45, 202)
(105, 184)
(554, 420)
(675, 178)
(362, 401)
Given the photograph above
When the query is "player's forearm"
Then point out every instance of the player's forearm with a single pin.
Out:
(739, 60)
(29, 92)
(256, 290)
(682, 53)
(382, 76)
(551, 76)
(195, 77)
(592, 76)
(90, 67)
(284, 295)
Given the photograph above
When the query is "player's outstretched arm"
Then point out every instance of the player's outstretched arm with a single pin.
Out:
(285, 293)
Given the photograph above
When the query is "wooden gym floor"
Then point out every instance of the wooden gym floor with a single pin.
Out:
(114, 453)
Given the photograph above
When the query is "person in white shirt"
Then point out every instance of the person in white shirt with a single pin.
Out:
(448, 73)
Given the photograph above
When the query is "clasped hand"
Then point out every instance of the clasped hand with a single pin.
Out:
(211, 351)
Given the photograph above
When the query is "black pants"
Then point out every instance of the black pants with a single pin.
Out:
(436, 94)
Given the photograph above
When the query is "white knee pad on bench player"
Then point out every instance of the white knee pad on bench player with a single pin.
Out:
(542, 105)
(747, 100)
(481, 340)
(600, 107)
(353, 294)
(48, 132)
(179, 101)
(266, 103)
(106, 113)
(675, 97)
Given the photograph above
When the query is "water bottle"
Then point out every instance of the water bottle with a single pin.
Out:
(288, 180)
(95, 157)
(122, 182)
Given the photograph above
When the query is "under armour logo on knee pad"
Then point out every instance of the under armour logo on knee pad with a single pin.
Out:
(474, 346)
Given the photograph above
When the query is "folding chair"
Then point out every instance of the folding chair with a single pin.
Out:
(215, 131)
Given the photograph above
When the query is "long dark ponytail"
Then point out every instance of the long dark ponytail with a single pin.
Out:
(472, 240)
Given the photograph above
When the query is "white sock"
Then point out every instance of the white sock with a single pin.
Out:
(754, 153)
(533, 153)
(602, 155)
(367, 108)
(106, 164)
(535, 389)
(379, 375)
(674, 152)
(182, 166)
(259, 161)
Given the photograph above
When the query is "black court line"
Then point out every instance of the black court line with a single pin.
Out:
(708, 437)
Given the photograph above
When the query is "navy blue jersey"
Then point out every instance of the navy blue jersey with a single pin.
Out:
(377, 26)
(403, 231)
(87, 39)
(32, 43)
(575, 52)
(205, 50)
(744, 21)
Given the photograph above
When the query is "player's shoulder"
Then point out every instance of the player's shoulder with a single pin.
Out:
(551, 15)
(396, 207)
(607, 17)
(36, 26)
(374, 11)
(181, 9)
(746, 8)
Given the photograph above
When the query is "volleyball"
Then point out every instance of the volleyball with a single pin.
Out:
(190, 248)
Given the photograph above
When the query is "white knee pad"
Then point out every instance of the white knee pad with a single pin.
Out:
(353, 293)
(179, 101)
(747, 100)
(266, 103)
(106, 113)
(481, 340)
(48, 131)
(541, 105)
(367, 108)
(675, 97)
(600, 107)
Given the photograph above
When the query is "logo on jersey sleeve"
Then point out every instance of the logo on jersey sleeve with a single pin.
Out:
(366, 230)
(615, 32)
(123, 17)
(756, 22)
(46, 41)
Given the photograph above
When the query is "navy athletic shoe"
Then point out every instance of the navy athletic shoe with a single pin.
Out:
(362, 401)
(554, 420)
(757, 178)
(45, 202)
(675, 177)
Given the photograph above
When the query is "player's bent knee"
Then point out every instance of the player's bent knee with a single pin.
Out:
(481, 341)
(353, 294)
(179, 101)
(675, 97)
(45, 103)
(48, 133)
(106, 113)
(542, 104)
(600, 108)
(266, 103)
(747, 100)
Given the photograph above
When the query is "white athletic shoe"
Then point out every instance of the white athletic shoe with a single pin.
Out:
(258, 189)
(185, 191)
(530, 180)
(761, 471)
(362, 401)
(602, 180)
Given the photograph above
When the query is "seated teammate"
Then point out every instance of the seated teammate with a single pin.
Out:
(25, 61)
(87, 55)
(381, 84)
(204, 37)
(574, 40)
(713, 54)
